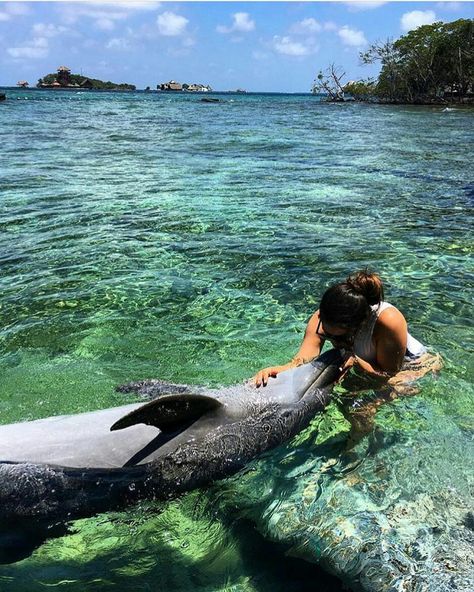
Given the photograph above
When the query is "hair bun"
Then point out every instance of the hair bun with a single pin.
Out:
(368, 284)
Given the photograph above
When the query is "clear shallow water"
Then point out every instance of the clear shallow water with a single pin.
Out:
(146, 235)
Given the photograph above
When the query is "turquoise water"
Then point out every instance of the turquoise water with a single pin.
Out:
(147, 235)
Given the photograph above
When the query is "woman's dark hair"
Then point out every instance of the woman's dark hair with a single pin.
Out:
(347, 304)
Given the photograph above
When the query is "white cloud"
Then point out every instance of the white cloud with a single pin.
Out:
(417, 18)
(17, 8)
(287, 46)
(308, 25)
(105, 14)
(356, 5)
(352, 37)
(241, 22)
(48, 30)
(105, 24)
(119, 43)
(184, 48)
(36, 48)
(13, 9)
(72, 12)
(188, 42)
(171, 24)
(130, 5)
(330, 26)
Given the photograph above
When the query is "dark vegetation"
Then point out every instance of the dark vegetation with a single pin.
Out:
(74, 80)
(431, 64)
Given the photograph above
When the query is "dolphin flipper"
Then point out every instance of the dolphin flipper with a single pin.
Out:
(152, 389)
(169, 413)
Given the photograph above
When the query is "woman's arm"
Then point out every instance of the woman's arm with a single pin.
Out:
(390, 336)
(310, 348)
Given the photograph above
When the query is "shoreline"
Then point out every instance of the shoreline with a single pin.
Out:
(158, 92)
(317, 97)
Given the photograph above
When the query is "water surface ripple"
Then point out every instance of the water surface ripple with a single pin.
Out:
(149, 235)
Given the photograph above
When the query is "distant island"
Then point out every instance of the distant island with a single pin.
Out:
(64, 79)
(174, 86)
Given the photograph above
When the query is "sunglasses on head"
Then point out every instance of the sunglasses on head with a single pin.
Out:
(346, 338)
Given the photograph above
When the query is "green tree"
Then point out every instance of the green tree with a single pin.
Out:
(95, 83)
(390, 79)
(426, 62)
(361, 90)
(456, 55)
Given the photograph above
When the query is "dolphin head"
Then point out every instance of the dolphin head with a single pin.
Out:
(297, 384)
(320, 373)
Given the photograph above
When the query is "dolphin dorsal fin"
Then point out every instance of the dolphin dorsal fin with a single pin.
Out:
(170, 412)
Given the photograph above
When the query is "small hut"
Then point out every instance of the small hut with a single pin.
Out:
(171, 85)
(22, 84)
(64, 76)
(87, 83)
(194, 87)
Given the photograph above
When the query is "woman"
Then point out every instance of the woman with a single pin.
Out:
(371, 333)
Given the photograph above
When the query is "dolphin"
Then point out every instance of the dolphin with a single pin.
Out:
(71, 466)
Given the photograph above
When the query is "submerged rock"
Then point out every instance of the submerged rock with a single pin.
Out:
(393, 512)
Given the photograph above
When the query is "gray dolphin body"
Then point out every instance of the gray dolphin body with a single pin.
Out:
(73, 466)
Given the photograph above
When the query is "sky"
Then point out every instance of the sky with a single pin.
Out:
(257, 46)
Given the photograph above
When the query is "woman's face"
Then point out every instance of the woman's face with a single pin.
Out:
(338, 336)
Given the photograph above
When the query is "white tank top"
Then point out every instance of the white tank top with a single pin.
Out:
(364, 344)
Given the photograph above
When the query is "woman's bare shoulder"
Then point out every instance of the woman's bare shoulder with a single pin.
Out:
(391, 319)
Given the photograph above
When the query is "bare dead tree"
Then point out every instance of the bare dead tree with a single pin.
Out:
(329, 82)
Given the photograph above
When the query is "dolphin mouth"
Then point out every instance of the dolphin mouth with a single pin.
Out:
(321, 372)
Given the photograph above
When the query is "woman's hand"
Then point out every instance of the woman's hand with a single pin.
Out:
(261, 378)
(350, 361)
(365, 373)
